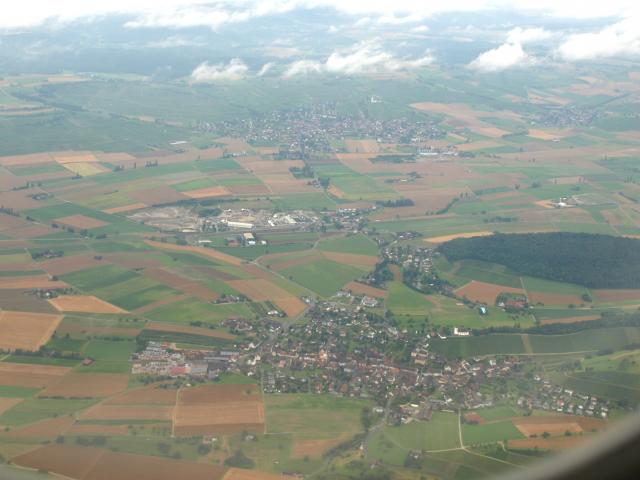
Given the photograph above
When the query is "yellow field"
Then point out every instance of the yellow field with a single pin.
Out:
(85, 169)
(446, 238)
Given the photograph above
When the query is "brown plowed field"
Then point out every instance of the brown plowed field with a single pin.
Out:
(224, 393)
(29, 282)
(351, 258)
(26, 331)
(80, 221)
(219, 409)
(82, 385)
(19, 199)
(259, 290)
(314, 448)
(255, 271)
(125, 208)
(256, 189)
(7, 403)
(244, 474)
(362, 146)
(128, 412)
(207, 192)
(88, 463)
(557, 424)
(30, 159)
(362, 289)
(20, 301)
(292, 306)
(84, 303)
(74, 263)
(582, 318)
(286, 183)
(52, 427)
(207, 252)
(474, 417)
(554, 443)
(30, 231)
(485, 292)
(151, 395)
(553, 298)
(218, 418)
(203, 332)
(67, 460)
(157, 195)
(124, 466)
(622, 295)
(336, 192)
(28, 375)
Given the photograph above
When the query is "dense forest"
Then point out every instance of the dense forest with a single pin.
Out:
(595, 261)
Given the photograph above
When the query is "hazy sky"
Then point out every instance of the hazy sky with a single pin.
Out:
(521, 46)
(25, 13)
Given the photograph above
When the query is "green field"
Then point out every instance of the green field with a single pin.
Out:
(192, 309)
(502, 344)
(358, 244)
(490, 433)
(34, 409)
(392, 443)
(619, 386)
(403, 300)
(324, 277)
(313, 416)
(109, 356)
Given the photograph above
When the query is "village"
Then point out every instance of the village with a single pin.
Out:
(300, 131)
(346, 351)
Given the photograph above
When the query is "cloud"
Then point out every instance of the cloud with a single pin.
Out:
(511, 54)
(622, 38)
(529, 35)
(420, 29)
(216, 13)
(265, 69)
(505, 56)
(175, 41)
(363, 58)
(236, 69)
(302, 67)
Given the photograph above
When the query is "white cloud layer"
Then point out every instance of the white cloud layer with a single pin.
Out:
(511, 53)
(505, 56)
(302, 67)
(529, 35)
(236, 69)
(622, 38)
(363, 58)
(215, 13)
(265, 69)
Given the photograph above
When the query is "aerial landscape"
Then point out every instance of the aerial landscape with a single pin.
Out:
(267, 240)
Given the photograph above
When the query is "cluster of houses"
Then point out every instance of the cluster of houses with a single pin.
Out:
(313, 129)
(556, 398)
